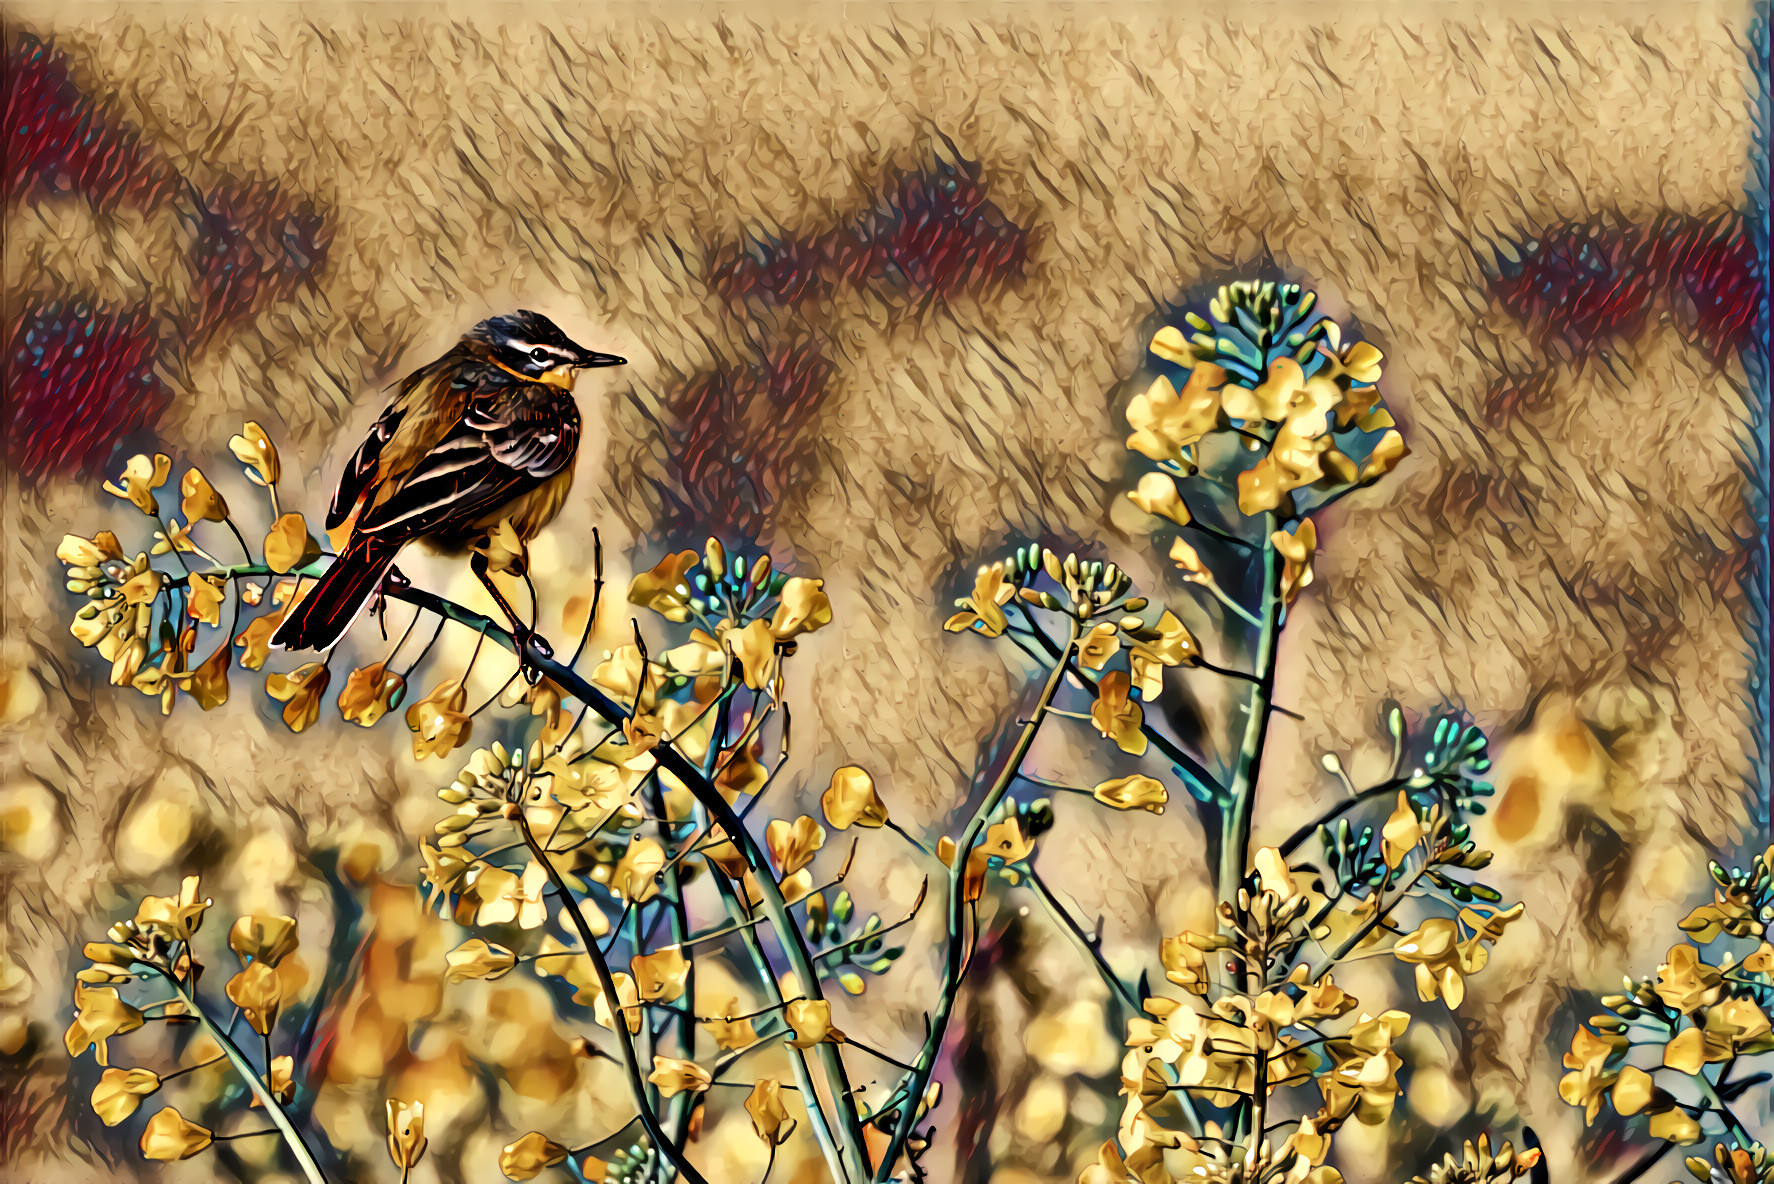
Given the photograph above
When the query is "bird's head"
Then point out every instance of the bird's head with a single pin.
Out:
(531, 346)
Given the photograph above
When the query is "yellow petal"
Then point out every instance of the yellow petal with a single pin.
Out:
(525, 1158)
(812, 1023)
(769, 1118)
(120, 1091)
(802, 607)
(1157, 494)
(406, 1133)
(1136, 792)
(288, 545)
(659, 976)
(674, 1076)
(851, 800)
(477, 959)
(258, 992)
(169, 1137)
(663, 588)
(793, 846)
(1402, 831)
(1632, 1091)
(253, 448)
(263, 939)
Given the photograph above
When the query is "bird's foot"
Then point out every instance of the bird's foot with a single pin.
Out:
(532, 650)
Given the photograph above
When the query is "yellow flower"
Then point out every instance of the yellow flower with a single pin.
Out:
(627, 998)
(120, 1091)
(1685, 982)
(633, 878)
(1189, 561)
(1185, 963)
(1273, 873)
(263, 939)
(1676, 1125)
(1590, 1078)
(300, 691)
(1402, 832)
(253, 448)
(1164, 422)
(169, 1137)
(370, 692)
(476, 959)
(755, 647)
(1116, 715)
(1132, 793)
(199, 499)
(1385, 456)
(288, 545)
(88, 553)
(851, 800)
(812, 1023)
(258, 992)
(663, 588)
(730, 1034)
(205, 597)
(438, 723)
(1632, 1091)
(1364, 1080)
(620, 674)
(1169, 643)
(102, 1014)
(141, 477)
(802, 607)
(1294, 461)
(674, 1076)
(1157, 494)
(175, 918)
(983, 612)
(526, 1158)
(769, 1118)
(1297, 549)
(1285, 396)
(406, 1133)
(1102, 643)
(793, 846)
(659, 976)
(208, 684)
(280, 1083)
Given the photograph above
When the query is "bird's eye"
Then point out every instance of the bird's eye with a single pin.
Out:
(540, 354)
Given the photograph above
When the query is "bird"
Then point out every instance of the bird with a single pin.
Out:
(487, 433)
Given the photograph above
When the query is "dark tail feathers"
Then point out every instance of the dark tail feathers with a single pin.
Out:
(321, 617)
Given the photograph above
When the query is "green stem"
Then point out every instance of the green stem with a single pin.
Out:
(637, 1081)
(955, 964)
(244, 1067)
(1235, 835)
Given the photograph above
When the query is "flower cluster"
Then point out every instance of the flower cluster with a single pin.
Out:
(157, 946)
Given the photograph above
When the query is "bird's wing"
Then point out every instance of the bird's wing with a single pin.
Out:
(505, 445)
(434, 404)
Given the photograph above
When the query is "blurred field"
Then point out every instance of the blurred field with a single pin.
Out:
(1557, 573)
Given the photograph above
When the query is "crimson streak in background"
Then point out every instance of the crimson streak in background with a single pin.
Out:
(932, 235)
(81, 376)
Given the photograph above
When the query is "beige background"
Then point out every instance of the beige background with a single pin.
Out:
(1146, 146)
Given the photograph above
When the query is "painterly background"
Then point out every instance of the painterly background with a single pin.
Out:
(882, 277)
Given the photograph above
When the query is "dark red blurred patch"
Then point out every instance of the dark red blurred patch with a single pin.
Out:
(1579, 286)
(937, 233)
(58, 139)
(739, 440)
(253, 246)
(77, 379)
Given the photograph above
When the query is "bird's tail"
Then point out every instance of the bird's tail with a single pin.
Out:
(321, 617)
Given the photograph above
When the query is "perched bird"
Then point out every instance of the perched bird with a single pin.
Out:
(487, 433)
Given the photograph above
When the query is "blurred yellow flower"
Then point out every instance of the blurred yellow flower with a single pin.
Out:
(141, 477)
(627, 998)
(730, 1034)
(169, 1137)
(525, 1158)
(1136, 792)
(120, 1091)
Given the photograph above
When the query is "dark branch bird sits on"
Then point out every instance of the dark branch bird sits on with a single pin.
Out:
(488, 433)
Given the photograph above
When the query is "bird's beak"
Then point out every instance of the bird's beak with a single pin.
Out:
(591, 359)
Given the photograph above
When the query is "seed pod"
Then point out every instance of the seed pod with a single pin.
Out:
(715, 557)
(760, 571)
